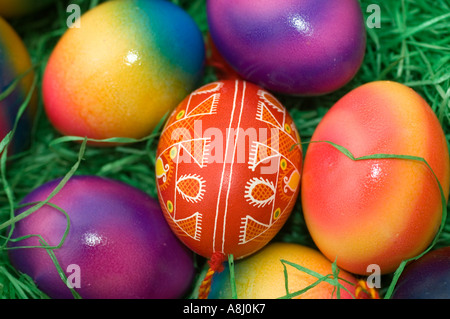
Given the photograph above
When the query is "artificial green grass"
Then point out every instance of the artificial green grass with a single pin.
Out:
(412, 47)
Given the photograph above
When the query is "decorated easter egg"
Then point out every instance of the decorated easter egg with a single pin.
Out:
(228, 168)
(305, 47)
(118, 244)
(261, 276)
(426, 278)
(15, 62)
(20, 8)
(379, 210)
(129, 64)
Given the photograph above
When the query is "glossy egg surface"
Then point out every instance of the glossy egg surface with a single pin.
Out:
(375, 211)
(15, 62)
(228, 168)
(118, 241)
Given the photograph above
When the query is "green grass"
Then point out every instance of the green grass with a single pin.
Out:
(411, 47)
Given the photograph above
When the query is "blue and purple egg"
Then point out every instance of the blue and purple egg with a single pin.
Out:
(118, 243)
(426, 278)
(297, 47)
(130, 63)
(15, 62)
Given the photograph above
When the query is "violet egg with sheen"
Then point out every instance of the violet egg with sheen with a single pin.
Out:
(118, 243)
(297, 47)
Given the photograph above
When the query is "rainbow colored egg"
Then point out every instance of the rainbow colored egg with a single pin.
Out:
(261, 276)
(379, 210)
(228, 168)
(306, 47)
(118, 244)
(128, 64)
(15, 62)
(426, 278)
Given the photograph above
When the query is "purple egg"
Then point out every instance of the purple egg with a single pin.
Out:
(426, 278)
(119, 244)
(296, 47)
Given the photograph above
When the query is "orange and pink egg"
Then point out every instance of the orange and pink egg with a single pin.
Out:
(375, 211)
(19, 8)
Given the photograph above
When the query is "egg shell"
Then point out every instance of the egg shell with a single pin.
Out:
(130, 63)
(228, 168)
(19, 8)
(118, 237)
(261, 276)
(14, 62)
(306, 47)
(377, 211)
(426, 278)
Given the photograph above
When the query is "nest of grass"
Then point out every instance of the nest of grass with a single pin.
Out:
(412, 47)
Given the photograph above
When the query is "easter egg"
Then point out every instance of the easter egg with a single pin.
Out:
(129, 64)
(261, 276)
(426, 278)
(228, 168)
(375, 211)
(20, 8)
(118, 244)
(15, 62)
(306, 47)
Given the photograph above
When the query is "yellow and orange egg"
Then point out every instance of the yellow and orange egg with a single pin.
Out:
(128, 64)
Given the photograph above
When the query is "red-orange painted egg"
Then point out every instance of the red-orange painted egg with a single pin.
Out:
(376, 211)
(228, 168)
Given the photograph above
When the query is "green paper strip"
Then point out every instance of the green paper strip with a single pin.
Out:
(113, 140)
(332, 279)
